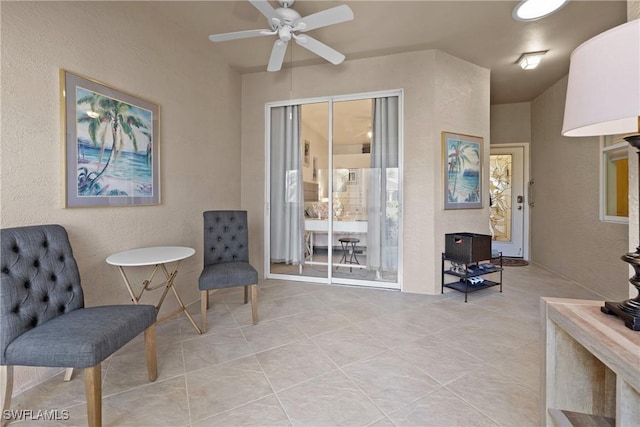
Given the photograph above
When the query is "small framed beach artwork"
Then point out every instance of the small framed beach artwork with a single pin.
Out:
(462, 167)
(111, 145)
(314, 174)
(353, 176)
(307, 153)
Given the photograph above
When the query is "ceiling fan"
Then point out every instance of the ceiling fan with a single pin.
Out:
(285, 22)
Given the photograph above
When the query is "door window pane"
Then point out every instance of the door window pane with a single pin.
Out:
(351, 162)
(500, 174)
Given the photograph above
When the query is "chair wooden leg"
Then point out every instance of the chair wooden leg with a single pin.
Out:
(254, 303)
(93, 388)
(204, 306)
(68, 374)
(246, 294)
(150, 351)
(6, 389)
(206, 300)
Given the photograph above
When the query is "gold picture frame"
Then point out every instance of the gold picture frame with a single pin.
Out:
(111, 144)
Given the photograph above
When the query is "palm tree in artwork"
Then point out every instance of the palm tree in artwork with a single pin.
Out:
(460, 155)
(108, 113)
(97, 132)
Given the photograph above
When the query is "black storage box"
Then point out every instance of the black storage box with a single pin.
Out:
(467, 247)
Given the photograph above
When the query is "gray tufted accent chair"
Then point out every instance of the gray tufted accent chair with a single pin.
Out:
(226, 259)
(43, 321)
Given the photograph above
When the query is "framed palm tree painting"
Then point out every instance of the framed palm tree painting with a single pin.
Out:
(111, 144)
(462, 167)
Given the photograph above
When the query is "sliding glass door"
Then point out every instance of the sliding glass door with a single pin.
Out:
(334, 190)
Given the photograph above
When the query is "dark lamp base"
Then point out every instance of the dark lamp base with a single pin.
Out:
(633, 140)
(628, 310)
(618, 309)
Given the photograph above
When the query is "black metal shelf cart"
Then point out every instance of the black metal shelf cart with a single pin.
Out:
(467, 272)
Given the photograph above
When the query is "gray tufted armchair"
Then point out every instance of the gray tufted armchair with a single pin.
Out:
(226, 259)
(43, 321)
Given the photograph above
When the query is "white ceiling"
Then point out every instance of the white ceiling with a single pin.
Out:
(481, 32)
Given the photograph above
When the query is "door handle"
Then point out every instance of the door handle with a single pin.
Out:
(520, 199)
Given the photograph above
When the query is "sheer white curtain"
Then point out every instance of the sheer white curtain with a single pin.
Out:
(286, 204)
(382, 229)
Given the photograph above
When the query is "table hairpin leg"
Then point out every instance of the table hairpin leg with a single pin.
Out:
(168, 284)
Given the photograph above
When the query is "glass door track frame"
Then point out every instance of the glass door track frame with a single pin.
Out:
(330, 100)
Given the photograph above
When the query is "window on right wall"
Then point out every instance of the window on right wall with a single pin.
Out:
(614, 175)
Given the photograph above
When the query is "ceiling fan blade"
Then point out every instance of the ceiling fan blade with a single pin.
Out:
(335, 15)
(265, 8)
(277, 55)
(239, 35)
(320, 49)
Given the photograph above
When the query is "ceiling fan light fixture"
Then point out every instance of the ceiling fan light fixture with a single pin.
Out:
(531, 10)
(284, 22)
(284, 34)
(530, 60)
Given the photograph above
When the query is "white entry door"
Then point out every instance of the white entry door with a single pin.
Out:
(508, 209)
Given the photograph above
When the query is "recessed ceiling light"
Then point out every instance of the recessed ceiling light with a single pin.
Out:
(530, 10)
(530, 60)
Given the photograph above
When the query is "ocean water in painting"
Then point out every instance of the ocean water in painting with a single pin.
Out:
(130, 174)
(466, 187)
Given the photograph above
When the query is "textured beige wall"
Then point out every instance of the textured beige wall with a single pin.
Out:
(567, 235)
(462, 105)
(633, 10)
(511, 123)
(440, 93)
(129, 47)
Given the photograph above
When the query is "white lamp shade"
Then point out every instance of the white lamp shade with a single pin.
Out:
(603, 94)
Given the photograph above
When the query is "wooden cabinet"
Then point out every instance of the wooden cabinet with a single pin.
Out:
(591, 366)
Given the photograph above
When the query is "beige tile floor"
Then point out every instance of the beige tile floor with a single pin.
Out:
(333, 356)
